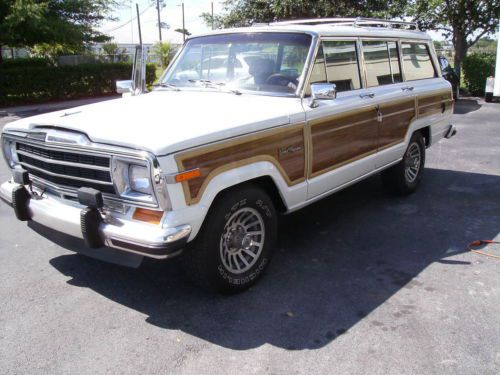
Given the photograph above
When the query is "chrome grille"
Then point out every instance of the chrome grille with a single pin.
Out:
(66, 169)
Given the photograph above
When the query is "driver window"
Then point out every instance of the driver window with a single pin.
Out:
(342, 66)
(336, 62)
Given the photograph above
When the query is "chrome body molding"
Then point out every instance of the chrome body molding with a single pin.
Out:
(117, 231)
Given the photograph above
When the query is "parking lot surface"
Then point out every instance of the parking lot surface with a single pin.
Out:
(361, 283)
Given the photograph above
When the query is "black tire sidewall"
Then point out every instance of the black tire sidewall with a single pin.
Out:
(419, 140)
(226, 206)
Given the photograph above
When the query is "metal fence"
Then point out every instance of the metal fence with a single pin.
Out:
(93, 59)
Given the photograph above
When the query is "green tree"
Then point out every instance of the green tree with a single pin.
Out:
(26, 23)
(438, 45)
(464, 21)
(51, 51)
(247, 12)
(183, 31)
(486, 43)
(110, 49)
(162, 51)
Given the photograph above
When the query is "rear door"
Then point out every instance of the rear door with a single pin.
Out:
(395, 101)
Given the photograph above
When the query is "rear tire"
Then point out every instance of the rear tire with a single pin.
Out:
(404, 177)
(235, 243)
(488, 97)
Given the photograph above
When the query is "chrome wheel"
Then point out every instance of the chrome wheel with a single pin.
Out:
(242, 240)
(413, 160)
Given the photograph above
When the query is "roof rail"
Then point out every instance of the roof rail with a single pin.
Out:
(358, 21)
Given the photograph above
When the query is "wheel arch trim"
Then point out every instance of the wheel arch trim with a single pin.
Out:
(290, 195)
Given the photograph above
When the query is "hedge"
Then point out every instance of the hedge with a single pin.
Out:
(477, 67)
(48, 83)
(25, 62)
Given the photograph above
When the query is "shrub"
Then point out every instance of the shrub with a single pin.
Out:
(27, 62)
(162, 52)
(477, 67)
(46, 83)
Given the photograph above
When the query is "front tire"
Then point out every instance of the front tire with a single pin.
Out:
(235, 243)
(404, 177)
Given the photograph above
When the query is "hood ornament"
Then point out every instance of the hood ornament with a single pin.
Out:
(65, 114)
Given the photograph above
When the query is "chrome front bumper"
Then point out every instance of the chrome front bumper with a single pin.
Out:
(133, 236)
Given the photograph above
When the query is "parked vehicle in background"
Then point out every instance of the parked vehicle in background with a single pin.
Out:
(449, 74)
(205, 166)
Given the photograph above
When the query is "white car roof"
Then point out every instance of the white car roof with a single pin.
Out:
(335, 27)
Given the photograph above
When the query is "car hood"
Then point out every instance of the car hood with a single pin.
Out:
(166, 121)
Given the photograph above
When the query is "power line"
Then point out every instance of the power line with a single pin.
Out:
(129, 21)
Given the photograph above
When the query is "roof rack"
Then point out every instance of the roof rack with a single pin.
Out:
(358, 21)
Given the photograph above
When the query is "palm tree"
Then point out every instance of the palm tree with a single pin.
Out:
(161, 51)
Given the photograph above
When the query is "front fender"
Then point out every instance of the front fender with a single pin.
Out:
(195, 214)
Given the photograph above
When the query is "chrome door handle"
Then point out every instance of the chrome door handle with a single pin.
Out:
(407, 88)
(380, 116)
(366, 96)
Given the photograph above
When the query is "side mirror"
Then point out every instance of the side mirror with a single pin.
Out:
(322, 91)
(123, 87)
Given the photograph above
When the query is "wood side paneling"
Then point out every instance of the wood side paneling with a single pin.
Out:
(347, 137)
(436, 103)
(323, 145)
(340, 139)
(263, 146)
(396, 121)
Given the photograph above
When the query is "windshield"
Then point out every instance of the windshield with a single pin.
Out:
(265, 62)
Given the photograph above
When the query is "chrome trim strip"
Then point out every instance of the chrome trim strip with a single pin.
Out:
(308, 66)
(92, 149)
(109, 199)
(60, 162)
(65, 175)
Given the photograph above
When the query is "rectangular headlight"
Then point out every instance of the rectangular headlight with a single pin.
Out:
(139, 179)
(8, 148)
(133, 180)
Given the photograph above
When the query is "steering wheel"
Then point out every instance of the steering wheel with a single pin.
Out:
(279, 79)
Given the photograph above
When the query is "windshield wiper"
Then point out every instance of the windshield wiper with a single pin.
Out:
(215, 85)
(167, 85)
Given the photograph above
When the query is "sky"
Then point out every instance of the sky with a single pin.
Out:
(123, 32)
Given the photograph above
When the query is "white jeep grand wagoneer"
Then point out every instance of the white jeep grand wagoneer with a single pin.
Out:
(244, 124)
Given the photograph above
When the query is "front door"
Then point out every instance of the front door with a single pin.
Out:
(345, 130)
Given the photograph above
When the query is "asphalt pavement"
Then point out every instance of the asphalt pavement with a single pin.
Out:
(361, 283)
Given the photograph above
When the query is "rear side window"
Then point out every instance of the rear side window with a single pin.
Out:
(342, 66)
(381, 62)
(417, 61)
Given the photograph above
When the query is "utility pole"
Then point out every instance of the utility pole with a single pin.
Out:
(138, 23)
(212, 15)
(183, 25)
(131, 23)
(159, 20)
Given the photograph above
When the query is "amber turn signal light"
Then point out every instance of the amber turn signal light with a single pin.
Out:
(188, 175)
(149, 216)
